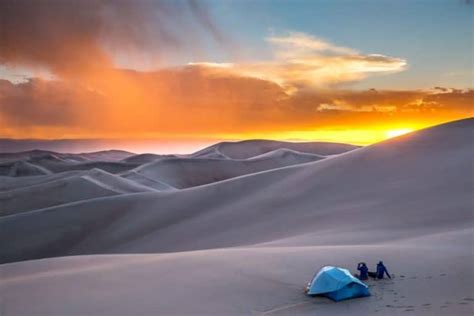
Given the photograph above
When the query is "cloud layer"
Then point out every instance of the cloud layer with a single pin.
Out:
(83, 44)
(187, 102)
(302, 61)
(76, 37)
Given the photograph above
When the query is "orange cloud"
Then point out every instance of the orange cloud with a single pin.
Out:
(189, 103)
(297, 94)
(303, 61)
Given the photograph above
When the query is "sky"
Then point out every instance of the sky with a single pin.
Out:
(191, 73)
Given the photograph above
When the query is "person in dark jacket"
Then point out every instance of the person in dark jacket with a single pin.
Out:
(381, 270)
(362, 267)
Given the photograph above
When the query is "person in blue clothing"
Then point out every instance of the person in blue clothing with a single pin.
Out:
(362, 267)
(381, 270)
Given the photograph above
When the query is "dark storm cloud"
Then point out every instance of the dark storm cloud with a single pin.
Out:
(73, 36)
(45, 103)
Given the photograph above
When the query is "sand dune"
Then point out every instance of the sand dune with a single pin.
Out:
(247, 245)
(62, 145)
(38, 162)
(57, 163)
(11, 183)
(189, 172)
(108, 166)
(384, 191)
(86, 185)
(105, 155)
(21, 169)
(43, 166)
(289, 155)
(145, 158)
(31, 154)
(211, 154)
(433, 276)
(250, 148)
(147, 181)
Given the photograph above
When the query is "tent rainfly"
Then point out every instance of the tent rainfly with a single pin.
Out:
(337, 284)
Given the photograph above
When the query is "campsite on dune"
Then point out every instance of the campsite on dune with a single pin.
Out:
(242, 226)
(231, 158)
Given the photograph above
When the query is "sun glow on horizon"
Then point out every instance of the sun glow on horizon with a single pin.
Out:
(398, 132)
(354, 136)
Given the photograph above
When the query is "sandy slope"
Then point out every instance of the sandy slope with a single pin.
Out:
(108, 166)
(145, 180)
(291, 156)
(382, 192)
(60, 190)
(22, 169)
(38, 162)
(250, 148)
(62, 145)
(146, 158)
(106, 155)
(56, 164)
(11, 183)
(433, 276)
(189, 172)
(247, 245)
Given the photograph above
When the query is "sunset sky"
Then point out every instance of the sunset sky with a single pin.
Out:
(190, 73)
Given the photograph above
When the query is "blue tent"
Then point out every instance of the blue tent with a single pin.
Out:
(336, 283)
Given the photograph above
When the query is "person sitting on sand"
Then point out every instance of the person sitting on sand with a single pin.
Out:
(362, 267)
(381, 270)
